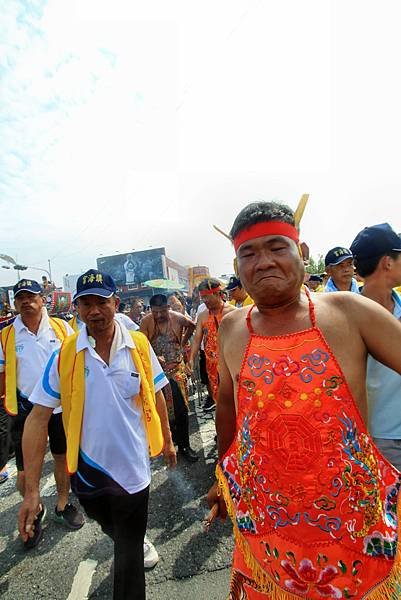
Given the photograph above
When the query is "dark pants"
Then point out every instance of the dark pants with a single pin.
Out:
(180, 426)
(55, 429)
(202, 367)
(4, 435)
(124, 519)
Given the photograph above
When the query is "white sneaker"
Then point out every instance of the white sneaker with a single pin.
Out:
(151, 558)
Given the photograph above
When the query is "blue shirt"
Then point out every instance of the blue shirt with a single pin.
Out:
(384, 393)
(331, 286)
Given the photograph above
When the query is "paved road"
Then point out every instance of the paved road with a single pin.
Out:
(76, 565)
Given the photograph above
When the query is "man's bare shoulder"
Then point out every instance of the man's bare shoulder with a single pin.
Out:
(234, 317)
(341, 300)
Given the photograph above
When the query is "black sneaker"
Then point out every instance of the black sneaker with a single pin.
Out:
(189, 454)
(38, 531)
(209, 404)
(71, 517)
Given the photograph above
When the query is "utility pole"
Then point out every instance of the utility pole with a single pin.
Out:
(50, 269)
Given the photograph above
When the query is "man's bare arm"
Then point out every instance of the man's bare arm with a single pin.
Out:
(225, 406)
(196, 342)
(144, 326)
(189, 327)
(168, 448)
(34, 442)
(225, 417)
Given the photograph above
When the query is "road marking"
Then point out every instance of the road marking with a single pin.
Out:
(82, 580)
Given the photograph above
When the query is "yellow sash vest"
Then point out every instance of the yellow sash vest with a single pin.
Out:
(10, 359)
(73, 324)
(72, 391)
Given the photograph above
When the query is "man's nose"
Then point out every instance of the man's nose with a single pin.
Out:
(265, 260)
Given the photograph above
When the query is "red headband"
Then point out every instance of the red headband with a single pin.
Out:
(266, 228)
(208, 292)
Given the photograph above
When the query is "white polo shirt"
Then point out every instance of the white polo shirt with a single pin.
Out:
(33, 352)
(114, 451)
(126, 321)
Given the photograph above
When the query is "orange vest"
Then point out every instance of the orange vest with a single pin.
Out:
(312, 500)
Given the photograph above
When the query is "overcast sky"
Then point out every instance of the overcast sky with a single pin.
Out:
(128, 124)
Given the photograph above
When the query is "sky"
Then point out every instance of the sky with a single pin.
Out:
(128, 125)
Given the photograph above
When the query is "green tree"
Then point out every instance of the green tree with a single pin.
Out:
(316, 265)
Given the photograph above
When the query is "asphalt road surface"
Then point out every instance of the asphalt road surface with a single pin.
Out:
(76, 565)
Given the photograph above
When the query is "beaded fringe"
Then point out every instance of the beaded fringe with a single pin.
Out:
(389, 589)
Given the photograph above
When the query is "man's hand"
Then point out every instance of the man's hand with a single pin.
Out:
(30, 507)
(170, 455)
(189, 367)
(213, 497)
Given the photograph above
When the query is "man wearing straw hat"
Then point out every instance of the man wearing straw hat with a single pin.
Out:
(313, 502)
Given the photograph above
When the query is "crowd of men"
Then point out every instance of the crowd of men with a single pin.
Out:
(305, 384)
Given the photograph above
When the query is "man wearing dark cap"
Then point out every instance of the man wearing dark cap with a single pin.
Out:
(314, 283)
(26, 346)
(237, 295)
(377, 252)
(339, 264)
(108, 381)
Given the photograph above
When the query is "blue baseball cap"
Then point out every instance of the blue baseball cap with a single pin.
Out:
(233, 283)
(337, 255)
(375, 241)
(27, 285)
(95, 283)
(315, 277)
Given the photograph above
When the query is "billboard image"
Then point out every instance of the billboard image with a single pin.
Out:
(134, 267)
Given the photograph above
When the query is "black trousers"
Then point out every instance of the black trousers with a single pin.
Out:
(4, 435)
(124, 520)
(180, 425)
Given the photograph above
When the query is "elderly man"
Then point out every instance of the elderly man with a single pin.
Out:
(108, 381)
(339, 264)
(168, 332)
(26, 346)
(312, 501)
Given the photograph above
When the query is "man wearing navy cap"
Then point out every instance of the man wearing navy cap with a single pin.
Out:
(314, 283)
(108, 381)
(339, 264)
(237, 295)
(25, 348)
(377, 252)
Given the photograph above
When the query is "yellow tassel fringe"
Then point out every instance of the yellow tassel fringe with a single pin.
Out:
(389, 589)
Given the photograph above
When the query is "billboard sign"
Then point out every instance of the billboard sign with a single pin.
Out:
(134, 268)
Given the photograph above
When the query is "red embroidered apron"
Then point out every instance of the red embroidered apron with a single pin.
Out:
(313, 502)
(210, 330)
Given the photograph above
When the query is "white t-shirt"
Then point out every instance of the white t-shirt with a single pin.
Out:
(33, 352)
(114, 455)
(126, 321)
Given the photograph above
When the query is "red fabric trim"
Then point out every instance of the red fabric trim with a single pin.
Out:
(266, 228)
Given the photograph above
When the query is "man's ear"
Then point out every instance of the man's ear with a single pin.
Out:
(117, 302)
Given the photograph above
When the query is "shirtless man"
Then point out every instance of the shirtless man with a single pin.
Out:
(312, 501)
(168, 333)
(207, 327)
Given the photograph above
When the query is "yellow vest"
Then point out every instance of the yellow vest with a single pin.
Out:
(10, 360)
(73, 324)
(72, 390)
